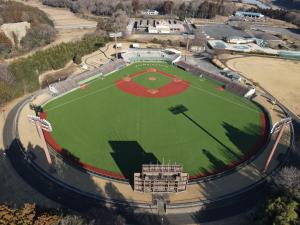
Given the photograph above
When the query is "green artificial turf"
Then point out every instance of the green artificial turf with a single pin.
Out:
(116, 131)
(160, 81)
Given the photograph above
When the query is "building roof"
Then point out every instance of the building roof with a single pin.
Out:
(248, 13)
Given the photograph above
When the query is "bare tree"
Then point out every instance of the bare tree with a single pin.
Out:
(135, 6)
(168, 6)
(6, 75)
(72, 220)
(119, 21)
(288, 178)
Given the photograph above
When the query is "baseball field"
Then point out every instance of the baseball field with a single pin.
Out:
(153, 112)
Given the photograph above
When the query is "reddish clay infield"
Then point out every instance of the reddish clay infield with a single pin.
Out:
(175, 87)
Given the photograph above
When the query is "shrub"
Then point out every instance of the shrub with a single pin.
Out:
(5, 44)
(27, 70)
(38, 36)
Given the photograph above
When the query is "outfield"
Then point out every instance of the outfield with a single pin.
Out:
(193, 123)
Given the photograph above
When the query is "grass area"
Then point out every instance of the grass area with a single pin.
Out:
(117, 131)
(152, 80)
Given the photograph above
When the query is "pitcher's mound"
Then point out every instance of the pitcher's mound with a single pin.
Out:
(152, 78)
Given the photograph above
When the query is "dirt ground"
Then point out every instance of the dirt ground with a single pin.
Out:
(70, 27)
(64, 20)
(280, 77)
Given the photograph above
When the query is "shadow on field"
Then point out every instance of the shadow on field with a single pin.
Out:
(242, 138)
(214, 160)
(181, 109)
(130, 156)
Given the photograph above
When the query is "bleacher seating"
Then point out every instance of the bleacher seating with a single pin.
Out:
(230, 85)
(148, 55)
(73, 81)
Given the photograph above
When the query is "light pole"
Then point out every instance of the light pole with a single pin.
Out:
(42, 124)
(115, 36)
(3, 113)
(188, 37)
(278, 127)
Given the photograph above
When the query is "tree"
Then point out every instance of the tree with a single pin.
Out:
(282, 211)
(168, 6)
(182, 11)
(190, 10)
(39, 35)
(208, 10)
(199, 39)
(6, 75)
(120, 6)
(5, 44)
(288, 179)
(72, 220)
(135, 6)
(118, 22)
(203, 9)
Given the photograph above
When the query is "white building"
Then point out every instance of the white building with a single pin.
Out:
(239, 40)
(150, 12)
(251, 15)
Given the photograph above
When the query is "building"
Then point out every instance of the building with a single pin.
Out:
(161, 179)
(249, 15)
(239, 40)
(150, 12)
(158, 26)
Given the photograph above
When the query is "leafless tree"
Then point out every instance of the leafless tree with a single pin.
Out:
(72, 220)
(6, 75)
(119, 21)
(135, 6)
(288, 178)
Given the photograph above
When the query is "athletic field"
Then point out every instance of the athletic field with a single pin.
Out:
(153, 112)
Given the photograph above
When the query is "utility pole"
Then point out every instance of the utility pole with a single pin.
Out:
(3, 113)
(188, 37)
(115, 35)
(42, 124)
(278, 127)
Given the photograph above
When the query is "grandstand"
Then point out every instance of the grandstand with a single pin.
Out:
(136, 55)
(161, 178)
(230, 85)
(74, 82)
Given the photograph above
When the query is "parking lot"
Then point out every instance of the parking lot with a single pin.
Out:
(221, 31)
